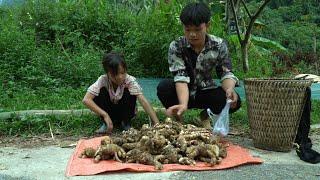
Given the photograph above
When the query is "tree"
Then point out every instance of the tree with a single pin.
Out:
(246, 31)
(230, 21)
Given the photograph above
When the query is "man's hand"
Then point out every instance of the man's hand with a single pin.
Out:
(177, 110)
(109, 124)
(231, 94)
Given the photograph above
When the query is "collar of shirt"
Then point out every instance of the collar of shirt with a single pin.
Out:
(209, 43)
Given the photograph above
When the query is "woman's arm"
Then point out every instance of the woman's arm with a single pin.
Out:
(148, 108)
(88, 101)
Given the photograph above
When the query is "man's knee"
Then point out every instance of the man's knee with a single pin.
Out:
(166, 93)
(232, 110)
(165, 85)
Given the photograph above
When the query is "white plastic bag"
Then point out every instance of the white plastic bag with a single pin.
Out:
(221, 121)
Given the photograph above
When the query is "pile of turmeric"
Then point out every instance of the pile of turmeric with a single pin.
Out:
(167, 143)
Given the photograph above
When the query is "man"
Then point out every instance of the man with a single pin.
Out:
(192, 59)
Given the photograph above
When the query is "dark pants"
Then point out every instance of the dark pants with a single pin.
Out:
(304, 125)
(123, 111)
(215, 99)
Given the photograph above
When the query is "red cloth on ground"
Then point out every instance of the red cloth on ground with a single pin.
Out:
(85, 166)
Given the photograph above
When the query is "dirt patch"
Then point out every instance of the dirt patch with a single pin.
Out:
(237, 135)
(36, 141)
(41, 140)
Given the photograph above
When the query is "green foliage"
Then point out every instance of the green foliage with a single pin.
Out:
(294, 26)
(16, 50)
(259, 62)
(278, 3)
(267, 43)
(315, 116)
(51, 44)
(149, 38)
(217, 26)
(42, 98)
(60, 124)
(50, 51)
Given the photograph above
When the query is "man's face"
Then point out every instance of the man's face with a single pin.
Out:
(196, 35)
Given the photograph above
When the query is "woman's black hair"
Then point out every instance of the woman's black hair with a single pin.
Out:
(195, 14)
(112, 61)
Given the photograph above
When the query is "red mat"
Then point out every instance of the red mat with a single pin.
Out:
(78, 167)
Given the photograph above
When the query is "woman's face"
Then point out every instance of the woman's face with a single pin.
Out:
(196, 35)
(119, 78)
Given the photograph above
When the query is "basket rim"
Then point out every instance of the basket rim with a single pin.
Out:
(278, 80)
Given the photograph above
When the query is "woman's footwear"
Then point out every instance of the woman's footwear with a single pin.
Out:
(125, 125)
(102, 129)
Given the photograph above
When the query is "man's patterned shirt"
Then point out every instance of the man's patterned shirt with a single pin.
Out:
(196, 70)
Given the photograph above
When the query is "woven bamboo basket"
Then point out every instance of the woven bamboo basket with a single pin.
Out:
(274, 110)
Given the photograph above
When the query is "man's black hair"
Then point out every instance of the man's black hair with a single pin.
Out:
(112, 61)
(195, 14)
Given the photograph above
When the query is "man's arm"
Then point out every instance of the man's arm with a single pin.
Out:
(183, 96)
(228, 79)
(181, 79)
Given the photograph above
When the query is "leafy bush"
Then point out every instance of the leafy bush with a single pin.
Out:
(149, 38)
(16, 51)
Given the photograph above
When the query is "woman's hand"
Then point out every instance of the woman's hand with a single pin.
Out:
(109, 123)
(148, 108)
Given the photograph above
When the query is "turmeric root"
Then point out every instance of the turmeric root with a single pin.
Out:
(187, 161)
(88, 153)
(109, 151)
(106, 140)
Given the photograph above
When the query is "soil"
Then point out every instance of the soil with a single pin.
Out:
(38, 141)
(61, 140)
(236, 134)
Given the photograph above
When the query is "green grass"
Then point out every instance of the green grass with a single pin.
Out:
(315, 113)
(86, 124)
(60, 98)
(62, 124)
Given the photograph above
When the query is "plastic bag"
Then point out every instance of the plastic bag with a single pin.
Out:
(221, 121)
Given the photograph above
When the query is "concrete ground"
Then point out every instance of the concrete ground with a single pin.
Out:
(50, 162)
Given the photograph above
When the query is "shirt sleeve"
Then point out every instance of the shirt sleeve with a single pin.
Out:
(225, 62)
(176, 64)
(95, 87)
(133, 86)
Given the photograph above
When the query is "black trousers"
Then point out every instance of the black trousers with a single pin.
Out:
(123, 111)
(304, 125)
(215, 99)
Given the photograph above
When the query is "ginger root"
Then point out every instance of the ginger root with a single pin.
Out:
(109, 151)
(88, 153)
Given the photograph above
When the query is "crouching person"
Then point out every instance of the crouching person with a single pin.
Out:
(192, 59)
(113, 96)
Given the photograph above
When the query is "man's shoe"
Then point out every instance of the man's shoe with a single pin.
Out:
(205, 120)
(307, 154)
(102, 129)
(206, 124)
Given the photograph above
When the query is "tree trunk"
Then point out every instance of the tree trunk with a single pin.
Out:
(230, 20)
(244, 56)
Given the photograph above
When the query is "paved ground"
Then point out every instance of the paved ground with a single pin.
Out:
(49, 162)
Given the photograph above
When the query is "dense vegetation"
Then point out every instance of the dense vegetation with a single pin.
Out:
(50, 50)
